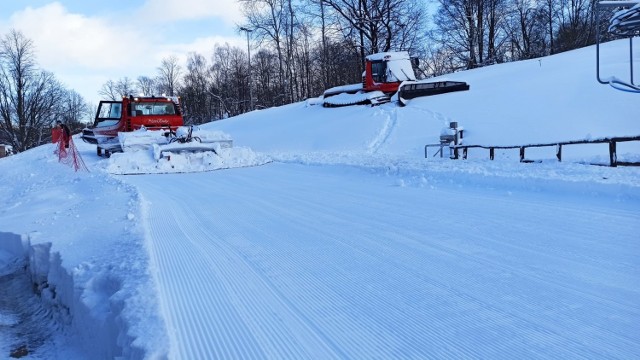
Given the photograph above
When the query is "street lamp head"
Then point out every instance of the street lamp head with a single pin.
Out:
(242, 28)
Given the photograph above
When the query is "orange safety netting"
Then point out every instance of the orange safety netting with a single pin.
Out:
(68, 154)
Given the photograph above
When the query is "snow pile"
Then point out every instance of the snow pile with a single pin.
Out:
(357, 98)
(143, 138)
(186, 161)
(191, 149)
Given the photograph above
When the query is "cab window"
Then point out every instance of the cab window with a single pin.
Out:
(154, 108)
(379, 71)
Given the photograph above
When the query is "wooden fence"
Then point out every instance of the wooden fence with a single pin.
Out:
(613, 158)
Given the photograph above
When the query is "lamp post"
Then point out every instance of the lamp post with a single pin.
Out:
(249, 56)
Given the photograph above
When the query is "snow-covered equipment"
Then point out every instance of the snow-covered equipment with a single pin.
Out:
(183, 139)
(450, 137)
(385, 75)
(188, 149)
(625, 22)
(129, 114)
(193, 139)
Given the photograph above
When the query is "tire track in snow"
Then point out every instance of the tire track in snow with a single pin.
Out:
(386, 131)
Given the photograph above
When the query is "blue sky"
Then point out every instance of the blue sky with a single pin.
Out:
(85, 43)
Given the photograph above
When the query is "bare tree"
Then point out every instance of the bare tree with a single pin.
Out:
(265, 66)
(268, 19)
(115, 90)
(74, 111)
(577, 25)
(169, 74)
(28, 96)
(527, 30)
(126, 87)
(317, 10)
(379, 25)
(229, 78)
(109, 91)
(146, 85)
(198, 105)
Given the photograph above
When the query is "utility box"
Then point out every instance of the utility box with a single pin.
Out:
(452, 136)
(3, 151)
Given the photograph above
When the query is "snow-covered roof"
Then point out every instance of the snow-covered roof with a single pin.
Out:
(397, 55)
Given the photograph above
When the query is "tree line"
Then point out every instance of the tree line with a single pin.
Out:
(296, 49)
(32, 99)
(299, 48)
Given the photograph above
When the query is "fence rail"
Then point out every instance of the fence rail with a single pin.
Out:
(613, 158)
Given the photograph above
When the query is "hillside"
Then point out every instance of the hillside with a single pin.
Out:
(556, 98)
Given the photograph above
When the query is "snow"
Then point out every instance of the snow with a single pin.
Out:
(332, 236)
(357, 98)
(397, 70)
(150, 152)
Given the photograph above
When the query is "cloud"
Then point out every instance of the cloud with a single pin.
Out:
(172, 10)
(202, 45)
(84, 51)
(65, 39)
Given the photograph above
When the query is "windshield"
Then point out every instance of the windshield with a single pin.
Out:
(109, 113)
(378, 71)
(154, 108)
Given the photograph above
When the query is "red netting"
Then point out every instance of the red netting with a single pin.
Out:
(68, 154)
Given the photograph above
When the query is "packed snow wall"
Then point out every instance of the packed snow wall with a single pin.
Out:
(41, 299)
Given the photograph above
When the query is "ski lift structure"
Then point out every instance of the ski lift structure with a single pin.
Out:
(625, 22)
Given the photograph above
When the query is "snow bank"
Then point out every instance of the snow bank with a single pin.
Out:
(181, 161)
(151, 152)
(92, 312)
(86, 241)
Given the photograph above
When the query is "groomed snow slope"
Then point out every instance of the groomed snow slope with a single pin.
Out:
(350, 244)
(292, 261)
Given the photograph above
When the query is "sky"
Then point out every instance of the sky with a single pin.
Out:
(86, 43)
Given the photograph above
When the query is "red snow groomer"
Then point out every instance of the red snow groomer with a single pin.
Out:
(129, 114)
(386, 74)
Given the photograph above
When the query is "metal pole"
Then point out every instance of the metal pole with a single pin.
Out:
(631, 59)
(598, 44)
(249, 57)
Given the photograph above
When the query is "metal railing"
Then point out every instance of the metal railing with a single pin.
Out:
(454, 150)
(625, 24)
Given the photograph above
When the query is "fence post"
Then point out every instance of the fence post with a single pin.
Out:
(559, 152)
(491, 153)
(521, 153)
(464, 153)
(613, 157)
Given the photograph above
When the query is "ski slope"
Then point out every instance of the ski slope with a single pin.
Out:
(346, 242)
(292, 261)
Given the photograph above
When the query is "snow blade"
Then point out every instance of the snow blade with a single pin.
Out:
(160, 151)
(346, 99)
(165, 160)
(412, 90)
